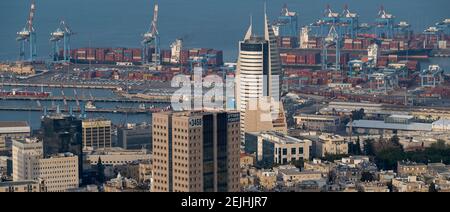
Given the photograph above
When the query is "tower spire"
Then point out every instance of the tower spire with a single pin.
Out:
(249, 33)
(267, 26)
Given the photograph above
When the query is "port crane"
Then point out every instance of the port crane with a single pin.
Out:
(151, 39)
(62, 34)
(329, 19)
(332, 39)
(403, 28)
(384, 24)
(287, 23)
(444, 25)
(349, 22)
(430, 33)
(28, 35)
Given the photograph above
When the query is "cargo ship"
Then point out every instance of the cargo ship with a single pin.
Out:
(426, 52)
(17, 93)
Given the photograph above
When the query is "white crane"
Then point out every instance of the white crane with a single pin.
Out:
(28, 34)
(151, 38)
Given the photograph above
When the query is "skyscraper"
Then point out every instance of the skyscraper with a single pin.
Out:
(61, 134)
(196, 152)
(24, 153)
(258, 74)
(96, 133)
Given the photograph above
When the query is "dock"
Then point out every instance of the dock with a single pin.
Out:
(85, 99)
(97, 110)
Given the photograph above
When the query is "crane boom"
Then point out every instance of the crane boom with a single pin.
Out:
(154, 27)
(31, 16)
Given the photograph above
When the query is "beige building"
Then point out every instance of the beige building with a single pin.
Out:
(409, 184)
(411, 168)
(267, 179)
(386, 176)
(372, 187)
(317, 122)
(260, 118)
(22, 186)
(12, 130)
(196, 151)
(145, 172)
(121, 184)
(275, 148)
(318, 165)
(295, 175)
(117, 156)
(329, 144)
(58, 172)
(96, 133)
(247, 160)
(24, 153)
(19, 69)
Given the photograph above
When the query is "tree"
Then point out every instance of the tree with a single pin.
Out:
(367, 177)
(358, 114)
(440, 144)
(300, 163)
(395, 140)
(332, 157)
(332, 177)
(369, 147)
(390, 187)
(432, 188)
(100, 171)
(357, 147)
(387, 158)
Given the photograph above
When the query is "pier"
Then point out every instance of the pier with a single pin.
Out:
(97, 110)
(85, 99)
(61, 86)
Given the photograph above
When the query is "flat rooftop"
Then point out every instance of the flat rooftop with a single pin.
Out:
(278, 138)
(372, 124)
(16, 183)
(8, 124)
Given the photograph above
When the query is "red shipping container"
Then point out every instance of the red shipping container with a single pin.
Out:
(301, 59)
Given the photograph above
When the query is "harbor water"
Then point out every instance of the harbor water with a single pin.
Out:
(201, 23)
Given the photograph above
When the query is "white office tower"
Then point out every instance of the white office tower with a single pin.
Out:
(372, 54)
(24, 153)
(304, 39)
(58, 172)
(176, 48)
(259, 75)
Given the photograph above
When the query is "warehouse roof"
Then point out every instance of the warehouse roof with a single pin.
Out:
(371, 124)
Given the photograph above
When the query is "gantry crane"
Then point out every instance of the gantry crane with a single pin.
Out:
(332, 39)
(62, 34)
(384, 24)
(349, 22)
(151, 39)
(28, 35)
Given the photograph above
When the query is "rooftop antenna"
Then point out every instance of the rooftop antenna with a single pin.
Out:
(265, 7)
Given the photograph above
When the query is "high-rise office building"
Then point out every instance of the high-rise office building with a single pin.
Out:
(59, 172)
(196, 152)
(61, 134)
(259, 75)
(24, 153)
(96, 133)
